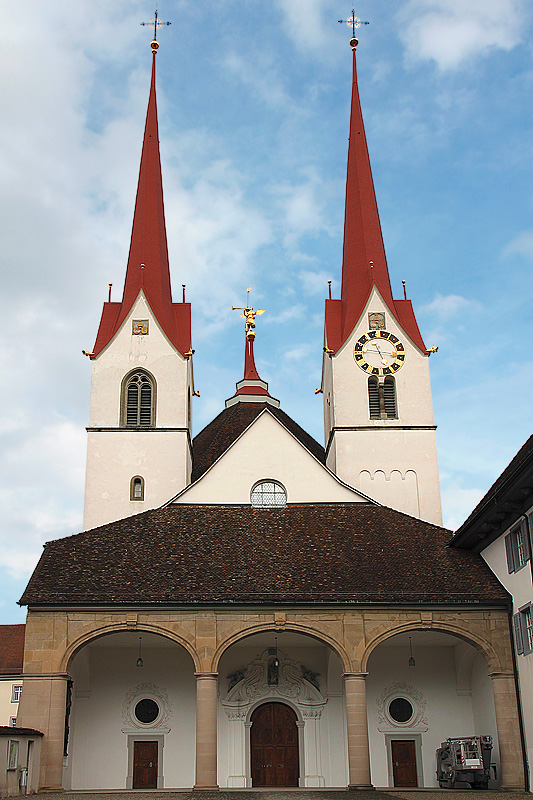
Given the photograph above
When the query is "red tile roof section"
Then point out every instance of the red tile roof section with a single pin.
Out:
(364, 263)
(331, 553)
(11, 649)
(148, 268)
(220, 434)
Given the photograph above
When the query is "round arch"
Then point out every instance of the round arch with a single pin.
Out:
(122, 627)
(270, 626)
(481, 645)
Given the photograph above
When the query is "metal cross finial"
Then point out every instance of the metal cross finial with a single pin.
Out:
(157, 23)
(354, 21)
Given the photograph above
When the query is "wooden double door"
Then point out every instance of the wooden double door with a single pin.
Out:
(145, 759)
(274, 746)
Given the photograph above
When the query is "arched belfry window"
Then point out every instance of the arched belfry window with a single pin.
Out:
(137, 488)
(138, 400)
(382, 398)
(268, 494)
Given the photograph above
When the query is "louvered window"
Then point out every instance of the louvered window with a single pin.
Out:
(268, 494)
(139, 400)
(389, 398)
(382, 398)
(373, 398)
(517, 547)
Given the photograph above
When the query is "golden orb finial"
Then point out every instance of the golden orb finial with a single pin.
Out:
(354, 42)
(154, 44)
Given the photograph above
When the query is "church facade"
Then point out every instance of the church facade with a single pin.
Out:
(292, 619)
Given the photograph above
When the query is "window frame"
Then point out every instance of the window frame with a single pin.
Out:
(126, 381)
(523, 630)
(133, 482)
(517, 547)
(16, 692)
(276, 483)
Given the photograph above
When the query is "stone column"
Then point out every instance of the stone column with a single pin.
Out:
(206, 730)
(42, 707)
(357, 730)
(506, 708)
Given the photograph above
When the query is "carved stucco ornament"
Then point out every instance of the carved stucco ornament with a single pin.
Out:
(254, 686)
(418, 721)
(139, 692)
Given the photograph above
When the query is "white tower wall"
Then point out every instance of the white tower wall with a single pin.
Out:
(394, 461)
(159, 454)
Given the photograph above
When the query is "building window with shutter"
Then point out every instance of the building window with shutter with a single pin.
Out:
(138, 400)
(517, 547)
(523, 630)
(137, 488)
(16, 692)
(382, 398)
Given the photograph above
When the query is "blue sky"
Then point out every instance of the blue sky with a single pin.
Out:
(253, 111)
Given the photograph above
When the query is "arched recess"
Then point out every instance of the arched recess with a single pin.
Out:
(270, 626)
(482, 645)
(122, 627)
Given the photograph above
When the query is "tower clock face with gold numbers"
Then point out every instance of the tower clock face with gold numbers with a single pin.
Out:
(379, 353)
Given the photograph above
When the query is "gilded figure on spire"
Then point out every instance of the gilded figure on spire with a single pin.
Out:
(249, 316)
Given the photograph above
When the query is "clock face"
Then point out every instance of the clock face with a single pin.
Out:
(379, 353)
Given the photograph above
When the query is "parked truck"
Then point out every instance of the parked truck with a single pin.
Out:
(464, 760)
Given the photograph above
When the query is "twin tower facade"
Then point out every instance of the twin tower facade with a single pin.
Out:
(379, 433)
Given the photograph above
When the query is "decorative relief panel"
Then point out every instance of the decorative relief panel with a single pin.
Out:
(141, 692)
(263, 678)
(401, 695)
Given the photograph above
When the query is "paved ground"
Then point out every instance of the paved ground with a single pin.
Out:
(286, 794)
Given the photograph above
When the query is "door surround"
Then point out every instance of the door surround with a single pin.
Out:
(145, 737)
(417, 738)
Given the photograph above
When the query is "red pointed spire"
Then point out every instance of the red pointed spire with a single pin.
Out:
(363, 260)
(364, 264)
(148, 267)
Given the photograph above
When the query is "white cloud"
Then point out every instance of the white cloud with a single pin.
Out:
(445, 307)
(305, 23)
(452, 32)
(521, 245)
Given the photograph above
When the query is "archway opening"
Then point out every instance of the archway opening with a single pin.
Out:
(281, 703)
(133, 711)
(424, 687)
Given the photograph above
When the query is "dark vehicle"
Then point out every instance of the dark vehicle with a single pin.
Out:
(464, 760)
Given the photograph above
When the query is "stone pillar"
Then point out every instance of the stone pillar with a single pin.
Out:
(506, 708)
(357, 730)
(206, 730)
(42, 707)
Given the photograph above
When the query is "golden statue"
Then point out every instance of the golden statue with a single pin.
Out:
(249, 316)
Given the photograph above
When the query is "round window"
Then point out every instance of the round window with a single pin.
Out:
(146, 710)
(400, 709)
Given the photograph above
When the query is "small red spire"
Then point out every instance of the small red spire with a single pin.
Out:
(364, 264)
(148, 267)
(250, 371)
(251, 389)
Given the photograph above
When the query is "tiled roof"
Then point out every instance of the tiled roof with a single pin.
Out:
(6, 730)
(216, 437)
(11, 649)
(304, 553)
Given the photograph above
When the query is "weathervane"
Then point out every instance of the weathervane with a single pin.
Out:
(157, 23)
(355, 22)
(249, 316)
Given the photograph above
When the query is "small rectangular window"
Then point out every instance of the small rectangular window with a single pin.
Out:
(517, 547)
(523, 630)
(16, 691)
(12, 722)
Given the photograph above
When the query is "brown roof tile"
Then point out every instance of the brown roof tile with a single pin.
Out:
(11, 649)
(220, 434)
(316, 553)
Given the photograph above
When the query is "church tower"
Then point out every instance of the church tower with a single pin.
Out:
(378, 413)
(139, 433)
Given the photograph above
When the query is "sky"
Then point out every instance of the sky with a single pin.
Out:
(253, 101)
